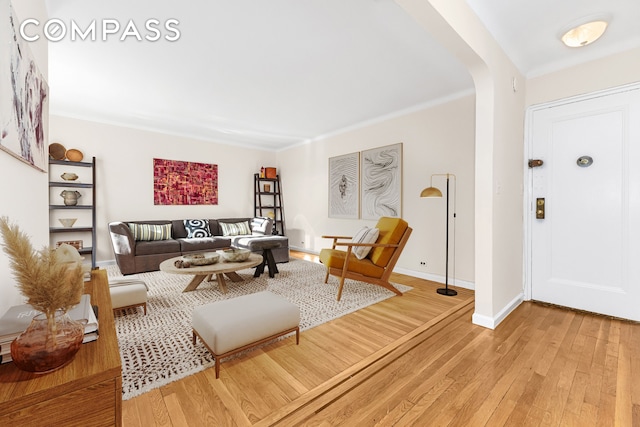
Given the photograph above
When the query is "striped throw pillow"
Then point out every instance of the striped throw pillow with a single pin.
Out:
(235, 228)
(364, 235)
(150, 231)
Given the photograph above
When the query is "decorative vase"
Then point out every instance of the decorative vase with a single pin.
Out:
(42, 349)
(70, 197)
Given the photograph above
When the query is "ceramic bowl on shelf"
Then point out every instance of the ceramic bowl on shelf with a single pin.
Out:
(74, 155)
(235, 254)
(69, 176)
(67, 222)
(57, 151)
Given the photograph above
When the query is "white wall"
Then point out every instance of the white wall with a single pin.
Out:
(439, 139)
(124, 164)
(499, 153)
(23, 189)
(611, 71)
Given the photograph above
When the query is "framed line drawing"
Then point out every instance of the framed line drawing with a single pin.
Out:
(24, 105)
(343, 186)
(381, 182)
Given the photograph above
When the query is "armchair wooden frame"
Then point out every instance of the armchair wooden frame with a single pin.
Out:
(344, 272)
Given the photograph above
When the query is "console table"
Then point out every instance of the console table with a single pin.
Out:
(88, 391)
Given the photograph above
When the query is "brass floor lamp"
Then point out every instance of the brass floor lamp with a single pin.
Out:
(432, 191)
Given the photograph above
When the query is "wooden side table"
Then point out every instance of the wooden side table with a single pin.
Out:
(267, 257)
(88, 391)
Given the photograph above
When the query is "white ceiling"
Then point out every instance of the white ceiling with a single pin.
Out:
(272, 74)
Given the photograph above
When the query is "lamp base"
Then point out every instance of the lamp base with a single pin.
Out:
(446, 291)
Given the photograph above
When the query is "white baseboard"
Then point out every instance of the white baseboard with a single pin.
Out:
(412, 273)
(435, 278)
(493, 322)
(305, 250)
(106, 263)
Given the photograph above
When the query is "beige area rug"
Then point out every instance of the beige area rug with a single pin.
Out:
(156, 349)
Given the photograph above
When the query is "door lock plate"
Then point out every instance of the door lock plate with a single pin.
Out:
(540, 208)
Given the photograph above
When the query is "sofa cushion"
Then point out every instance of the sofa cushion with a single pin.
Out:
(197, 228)
(256, 243)
(391, 231)
(157, 247)
(262, 226)
(177, 229)
(334, 258)
(146, 232)
(200, 244)
(235, 228)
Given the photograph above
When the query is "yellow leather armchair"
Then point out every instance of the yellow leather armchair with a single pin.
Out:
(377, 266)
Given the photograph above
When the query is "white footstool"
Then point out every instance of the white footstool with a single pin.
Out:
(128, 293)
(230, 326)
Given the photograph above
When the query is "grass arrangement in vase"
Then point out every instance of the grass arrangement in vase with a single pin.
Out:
(52, 282)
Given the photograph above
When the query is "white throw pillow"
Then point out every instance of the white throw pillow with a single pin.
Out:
(364, 235)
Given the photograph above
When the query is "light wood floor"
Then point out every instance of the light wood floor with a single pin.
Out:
(417, 360)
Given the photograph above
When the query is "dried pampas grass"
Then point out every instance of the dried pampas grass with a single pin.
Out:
(49, 284)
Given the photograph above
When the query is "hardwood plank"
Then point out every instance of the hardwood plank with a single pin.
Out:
(198, 406)
(229, 401)
(149, 410)
(497, 403)
(351, 377)
(178, 417)
(624, 405)
(417, 360)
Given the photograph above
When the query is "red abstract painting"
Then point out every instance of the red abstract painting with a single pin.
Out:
(184, 183)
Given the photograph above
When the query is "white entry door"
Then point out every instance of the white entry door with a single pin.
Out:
(585, 252)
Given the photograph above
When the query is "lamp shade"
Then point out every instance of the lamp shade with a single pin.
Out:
(431, 192)
(584, 34)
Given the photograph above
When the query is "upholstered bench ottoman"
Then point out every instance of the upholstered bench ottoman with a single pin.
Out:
(128, 293)
(230, 326)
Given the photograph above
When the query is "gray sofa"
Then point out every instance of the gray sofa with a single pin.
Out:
(138, 256)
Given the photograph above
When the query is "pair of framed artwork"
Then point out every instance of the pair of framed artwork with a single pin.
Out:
(366, 184)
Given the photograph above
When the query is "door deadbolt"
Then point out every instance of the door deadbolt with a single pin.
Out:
(540, 208)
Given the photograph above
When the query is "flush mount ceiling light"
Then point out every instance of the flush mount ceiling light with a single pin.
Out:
(584, 34)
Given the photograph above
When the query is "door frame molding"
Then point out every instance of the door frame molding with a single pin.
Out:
(528, 196)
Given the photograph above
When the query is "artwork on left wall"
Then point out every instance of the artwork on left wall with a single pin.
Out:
(24, 105)
(184, 183)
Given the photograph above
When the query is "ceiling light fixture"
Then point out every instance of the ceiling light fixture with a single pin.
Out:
(584, 34)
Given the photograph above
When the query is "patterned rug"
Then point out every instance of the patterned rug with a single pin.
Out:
(156, 349)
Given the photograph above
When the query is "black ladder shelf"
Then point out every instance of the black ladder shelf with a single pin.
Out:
(269, 203)
(88, 193)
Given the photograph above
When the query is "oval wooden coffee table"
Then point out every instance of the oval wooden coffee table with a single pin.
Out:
(219, 269)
